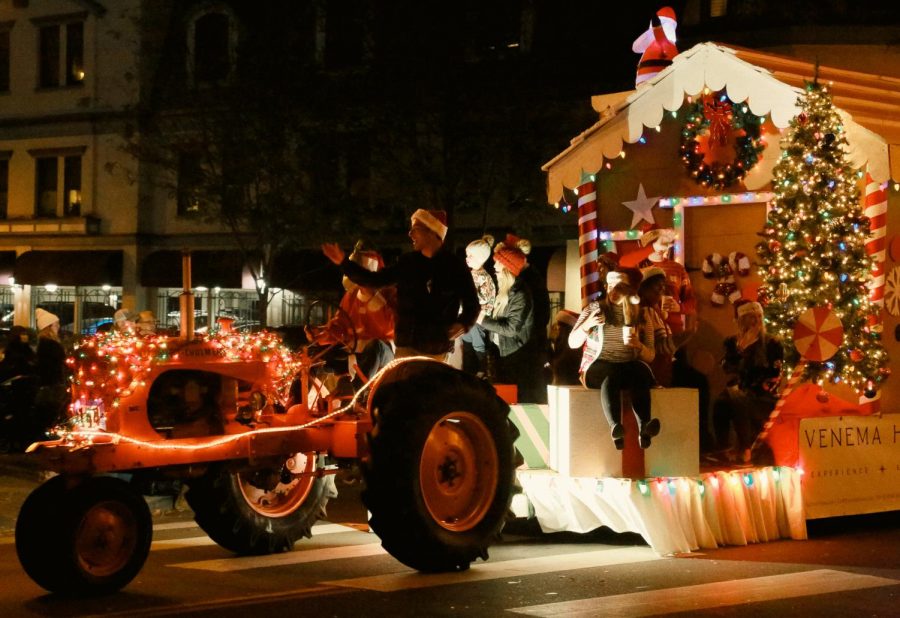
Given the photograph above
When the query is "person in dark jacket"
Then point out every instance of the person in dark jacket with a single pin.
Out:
(753, 359)
(18, 357)
(436, 298)
(536, 391)
(511, 323)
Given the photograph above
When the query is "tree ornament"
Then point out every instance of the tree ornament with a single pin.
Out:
(802, 118)
(709, 123)
(822, 396)
(856, 355)
(818, 334)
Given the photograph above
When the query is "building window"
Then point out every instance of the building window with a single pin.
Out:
(60, 51)
(47, 183)
(49, 57)
(212, 39)
(4, 57)
(344, 35)
(72, 187)
(190, 179)
(57, 180)
(4, 186)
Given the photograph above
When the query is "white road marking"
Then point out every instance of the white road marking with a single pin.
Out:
(713, 595)
(198, 541)
(244, 563)
(499, 569)
(175, 525)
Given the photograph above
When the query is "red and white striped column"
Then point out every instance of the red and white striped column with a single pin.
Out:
(876, 201)
(588, 242)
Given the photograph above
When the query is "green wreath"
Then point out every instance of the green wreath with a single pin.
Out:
(748, 145)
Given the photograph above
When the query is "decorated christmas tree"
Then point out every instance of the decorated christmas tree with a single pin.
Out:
(813, 254)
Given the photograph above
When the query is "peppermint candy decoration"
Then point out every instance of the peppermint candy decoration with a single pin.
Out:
(818, 334)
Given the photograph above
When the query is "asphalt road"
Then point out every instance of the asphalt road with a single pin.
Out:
(849, 567)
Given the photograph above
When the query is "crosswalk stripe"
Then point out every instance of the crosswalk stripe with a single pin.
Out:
(244, 563)
(505, 568)
(712, 595)
(199, 541)
(175, 525)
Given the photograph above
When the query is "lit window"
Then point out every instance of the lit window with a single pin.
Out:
(56, 169)
(60, 50)
(190, 179)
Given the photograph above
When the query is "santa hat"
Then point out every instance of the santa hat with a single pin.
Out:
(652, 271)
(481, 249)
(750, 306)
(370, 260)
(44, 318)
(512, 258)
(633, 258)
(434, 220)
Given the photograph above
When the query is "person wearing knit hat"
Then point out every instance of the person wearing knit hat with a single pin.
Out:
(616, 337)
(752, 361)
(436, 299)
(52, 396)
(44, 319)
(510, 324)
(475, 346)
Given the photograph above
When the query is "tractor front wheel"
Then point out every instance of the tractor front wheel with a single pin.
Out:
(90, 539)
(263, 510)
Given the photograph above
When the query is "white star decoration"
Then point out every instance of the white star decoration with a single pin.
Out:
(641, 207)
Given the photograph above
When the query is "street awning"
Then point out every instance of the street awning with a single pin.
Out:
(210, 269)
(69, 268)
(306, 270)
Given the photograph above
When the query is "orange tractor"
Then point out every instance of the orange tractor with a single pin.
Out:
(249, 427)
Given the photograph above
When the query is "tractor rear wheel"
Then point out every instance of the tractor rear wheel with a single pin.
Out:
(440, 469)
(261, 511)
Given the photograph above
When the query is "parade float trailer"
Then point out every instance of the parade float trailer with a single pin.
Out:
(647, 163)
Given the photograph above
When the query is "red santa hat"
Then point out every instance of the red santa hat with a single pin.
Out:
(370, 260)
(434, 220)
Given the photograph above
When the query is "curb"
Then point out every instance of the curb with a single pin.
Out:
(21, 467)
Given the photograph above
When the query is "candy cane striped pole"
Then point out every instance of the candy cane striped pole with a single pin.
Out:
(876, 210)
(789, 387)
(587, 241)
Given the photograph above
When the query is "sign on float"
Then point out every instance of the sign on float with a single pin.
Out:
(851, 465)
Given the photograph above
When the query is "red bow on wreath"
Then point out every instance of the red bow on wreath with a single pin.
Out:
(717, 266)
(719, 115)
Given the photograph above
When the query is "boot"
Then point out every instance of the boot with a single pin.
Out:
(618, 435)
(648, 430)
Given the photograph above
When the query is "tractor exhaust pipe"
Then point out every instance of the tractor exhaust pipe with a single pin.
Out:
(186, 301)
